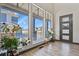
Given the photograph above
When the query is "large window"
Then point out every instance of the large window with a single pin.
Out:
(15, 18)
(48, 28)
(22, 21)
(49, 24)
(37, 34)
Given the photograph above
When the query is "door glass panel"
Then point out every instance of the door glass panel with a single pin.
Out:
(65, 31)
(65, 19)
(65, 37)
(37, 34)
(66, 24)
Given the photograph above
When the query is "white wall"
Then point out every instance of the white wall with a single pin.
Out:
(64, 9)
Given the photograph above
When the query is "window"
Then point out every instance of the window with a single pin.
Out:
(22, 21)
(48, 28)
(37, 30)
(16, 18)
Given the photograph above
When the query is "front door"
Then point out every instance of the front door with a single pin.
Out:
(66, 28)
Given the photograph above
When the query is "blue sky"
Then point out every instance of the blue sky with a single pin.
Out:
(23, 21)
(38, 22)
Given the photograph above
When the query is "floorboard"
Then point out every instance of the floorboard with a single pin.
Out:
(54, 49)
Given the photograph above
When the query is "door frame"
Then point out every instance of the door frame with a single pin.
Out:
(70, 29)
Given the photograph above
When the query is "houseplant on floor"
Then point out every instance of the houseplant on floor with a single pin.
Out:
(10, 42)
(51, 34)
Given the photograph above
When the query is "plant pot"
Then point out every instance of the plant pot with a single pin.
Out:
(9, 52)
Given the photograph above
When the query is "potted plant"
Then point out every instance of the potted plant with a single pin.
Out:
(51, 33)
(10, 42)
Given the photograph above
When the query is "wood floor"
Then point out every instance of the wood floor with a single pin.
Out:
(54, 49)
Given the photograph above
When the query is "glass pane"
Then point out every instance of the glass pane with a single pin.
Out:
(37, 30)
(66, 24)
(65, 19)
(65, 31)
(49, 25)
(22, 21)
(48, 28)
(65, 37)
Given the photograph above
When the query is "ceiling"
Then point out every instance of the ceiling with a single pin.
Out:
(47, 6)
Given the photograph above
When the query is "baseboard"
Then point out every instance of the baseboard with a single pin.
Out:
(67, 42)
(75, 43)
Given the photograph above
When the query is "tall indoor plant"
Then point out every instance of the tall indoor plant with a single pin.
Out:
(10, 42)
